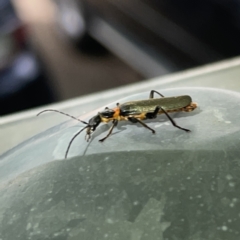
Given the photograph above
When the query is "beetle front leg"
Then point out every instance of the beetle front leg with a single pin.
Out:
(115, 122)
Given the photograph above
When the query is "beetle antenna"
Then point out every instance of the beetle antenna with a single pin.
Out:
(53, 110)
(70, 143)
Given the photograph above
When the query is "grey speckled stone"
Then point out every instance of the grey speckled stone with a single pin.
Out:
(135, 186)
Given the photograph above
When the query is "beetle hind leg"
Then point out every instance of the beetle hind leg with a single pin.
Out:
(151, 115)
(173, 122)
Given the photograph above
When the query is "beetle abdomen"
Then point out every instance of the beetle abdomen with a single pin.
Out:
(149, 105)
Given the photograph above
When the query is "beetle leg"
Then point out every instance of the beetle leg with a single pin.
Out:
(115, 122)
(151, 115)
(152, 94)
(173, 122)
(135, 120)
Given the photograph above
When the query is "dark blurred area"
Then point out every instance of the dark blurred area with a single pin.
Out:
(45, 67)
(23, 82)
(172, 34)
(83, 46)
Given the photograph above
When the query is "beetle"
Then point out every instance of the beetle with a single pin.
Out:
(135, 112)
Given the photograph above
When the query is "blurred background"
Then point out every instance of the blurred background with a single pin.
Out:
(52, 50)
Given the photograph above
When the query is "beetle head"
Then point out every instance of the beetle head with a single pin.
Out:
(92, 125)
